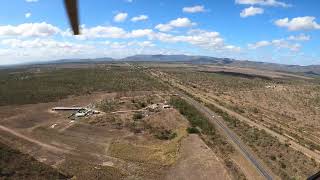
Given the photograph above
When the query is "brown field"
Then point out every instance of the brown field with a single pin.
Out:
(110, 145)
(289, 106)
(284, 104)
(276, 114)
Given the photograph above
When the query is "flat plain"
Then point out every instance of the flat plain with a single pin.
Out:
(276, 114)
(146, 131)
(133, 136)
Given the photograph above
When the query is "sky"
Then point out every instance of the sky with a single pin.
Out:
(277, 31)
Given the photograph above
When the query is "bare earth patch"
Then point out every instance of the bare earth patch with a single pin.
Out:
(197, 161)
(99, 148)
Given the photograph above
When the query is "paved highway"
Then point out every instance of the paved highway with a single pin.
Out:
(230, 134)
(218, 122)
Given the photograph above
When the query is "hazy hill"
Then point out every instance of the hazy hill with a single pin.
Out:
(312, 70)
(160, 58)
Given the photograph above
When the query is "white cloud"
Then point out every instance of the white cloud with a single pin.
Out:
(140, 33)
(300, 37)
(281, 43)
(146, 44)
(251, 11)
(29, 30)
(42, 49)
(120, 17)
(40, 43)
(139, 18)
(277, 43)
(111, 32)
(100, 32)
(298, 23)
(200, 38)
(259, 44)
(30, 1)
(182, 22)
(49, 48)
(263, 3)
(164, 27)
(232, 48)
(142, 44)
(27, 15)
(193, 9)
(122, 45)
(44, 46)
(176, 23)
(203, 39)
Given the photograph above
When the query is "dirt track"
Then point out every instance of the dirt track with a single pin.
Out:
(44, 145)
(197, 161)
(54, 140)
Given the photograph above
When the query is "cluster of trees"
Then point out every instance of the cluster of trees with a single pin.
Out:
(51, 85)
(201, 125)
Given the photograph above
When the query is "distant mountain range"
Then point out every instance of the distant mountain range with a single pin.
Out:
(64, 61)
(161, 58)
(312, 70)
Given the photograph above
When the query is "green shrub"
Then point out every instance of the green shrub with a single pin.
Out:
(165, 134)
(193, 115)
(197, 119)
(140, 104)
(137, 116)
(107, 105)
(193, 130)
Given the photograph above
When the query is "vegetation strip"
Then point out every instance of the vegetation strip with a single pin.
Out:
(283, 160)
(51, 85)
(208, 133)
(286, 153)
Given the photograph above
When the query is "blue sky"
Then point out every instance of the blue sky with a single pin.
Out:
(280, 31)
